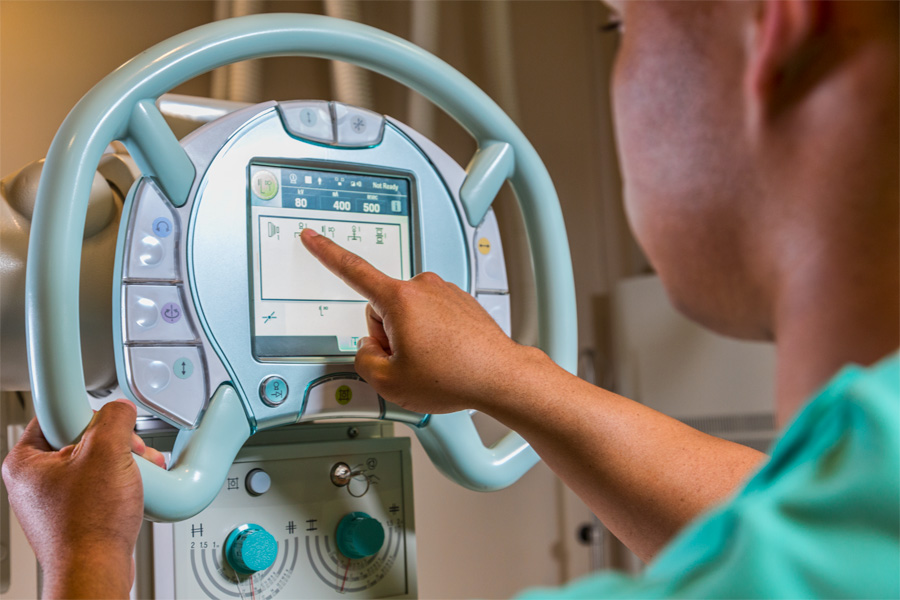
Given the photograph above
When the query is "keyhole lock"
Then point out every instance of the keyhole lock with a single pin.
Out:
(343, 476)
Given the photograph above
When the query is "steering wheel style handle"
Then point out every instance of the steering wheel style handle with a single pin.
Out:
(122, 107)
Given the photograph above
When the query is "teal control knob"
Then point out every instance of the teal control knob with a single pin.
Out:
(359, 535)
(250, 548)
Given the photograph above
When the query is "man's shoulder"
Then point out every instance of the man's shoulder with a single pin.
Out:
(858, 406)
(847, 434)
(877, 390)
(824, 511)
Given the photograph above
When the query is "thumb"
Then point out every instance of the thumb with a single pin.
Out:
(372, 361)
(111, 428)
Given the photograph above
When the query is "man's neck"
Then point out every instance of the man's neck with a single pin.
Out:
(839, 311)
(835, 295)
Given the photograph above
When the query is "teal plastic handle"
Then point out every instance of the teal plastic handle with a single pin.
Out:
(199, 463)
(121, 107)
(455, 447)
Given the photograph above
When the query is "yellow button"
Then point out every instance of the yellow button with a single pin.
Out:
(343, 395)
(484, 246)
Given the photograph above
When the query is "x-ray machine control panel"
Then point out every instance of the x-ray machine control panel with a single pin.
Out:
(220, 291)
(300, 491)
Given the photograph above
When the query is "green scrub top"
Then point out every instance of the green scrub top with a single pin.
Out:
(820, 520)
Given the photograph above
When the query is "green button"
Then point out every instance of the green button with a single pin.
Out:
(265, 185)
(183, 368)
(343, 395)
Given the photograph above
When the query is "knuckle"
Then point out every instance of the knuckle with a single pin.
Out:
(428, 278)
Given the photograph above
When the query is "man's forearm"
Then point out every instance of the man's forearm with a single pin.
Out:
(644, 474)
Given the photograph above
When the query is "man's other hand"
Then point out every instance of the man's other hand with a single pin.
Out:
(81, 507)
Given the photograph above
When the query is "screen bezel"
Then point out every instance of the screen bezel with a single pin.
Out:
(326, 167)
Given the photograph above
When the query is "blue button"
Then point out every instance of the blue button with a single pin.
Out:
(183, 368)
(162, 227)
(273, 390)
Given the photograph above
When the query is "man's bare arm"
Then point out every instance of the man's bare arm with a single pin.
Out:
(433, 349)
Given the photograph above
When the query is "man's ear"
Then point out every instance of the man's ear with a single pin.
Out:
(785, 51)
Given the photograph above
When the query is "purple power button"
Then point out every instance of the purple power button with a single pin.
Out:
(171, 312)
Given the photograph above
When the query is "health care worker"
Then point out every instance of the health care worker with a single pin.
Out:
(759, 146)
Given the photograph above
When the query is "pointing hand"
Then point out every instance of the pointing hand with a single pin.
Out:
(431, 347)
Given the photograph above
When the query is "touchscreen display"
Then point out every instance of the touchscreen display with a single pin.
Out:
(300, 309)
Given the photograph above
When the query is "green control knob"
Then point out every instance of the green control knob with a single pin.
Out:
(359, 535)
(250, 548)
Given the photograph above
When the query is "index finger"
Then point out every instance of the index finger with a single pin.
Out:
(351, 268)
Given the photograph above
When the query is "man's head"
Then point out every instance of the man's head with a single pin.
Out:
(748, 132)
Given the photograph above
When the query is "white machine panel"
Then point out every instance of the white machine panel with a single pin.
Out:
(301, 509)
(492, 287)
(490, 273)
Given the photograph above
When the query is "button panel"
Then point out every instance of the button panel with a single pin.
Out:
(332, 123)
(308, 119)
(164, 362)
(166, 379)
(342, 397)
(490, 274)
(153, 242)
(155, 313)
(356, 126)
